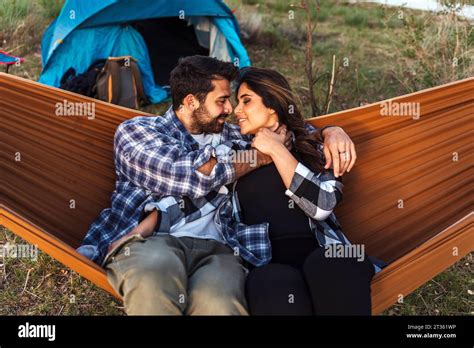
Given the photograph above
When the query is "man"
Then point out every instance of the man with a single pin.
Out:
(192, 263)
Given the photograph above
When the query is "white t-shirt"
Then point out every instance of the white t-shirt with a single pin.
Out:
(204, 227)
(203, 139)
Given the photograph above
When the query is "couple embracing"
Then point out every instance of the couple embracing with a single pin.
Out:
(193, 231)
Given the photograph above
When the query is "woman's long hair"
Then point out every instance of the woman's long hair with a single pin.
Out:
(276, 94)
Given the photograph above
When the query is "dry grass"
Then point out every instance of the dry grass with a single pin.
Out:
(46, 287)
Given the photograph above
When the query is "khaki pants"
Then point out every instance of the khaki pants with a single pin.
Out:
(165, 275)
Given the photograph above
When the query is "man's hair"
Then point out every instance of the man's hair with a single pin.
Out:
(193, 75)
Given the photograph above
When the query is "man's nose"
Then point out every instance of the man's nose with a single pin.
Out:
(228, 107)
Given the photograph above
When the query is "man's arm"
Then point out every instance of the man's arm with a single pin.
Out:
(339, 150)
(241, 168)
(159, 163)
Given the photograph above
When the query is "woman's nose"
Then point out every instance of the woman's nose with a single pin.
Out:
(238, 109)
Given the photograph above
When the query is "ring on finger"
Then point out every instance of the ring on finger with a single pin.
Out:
(344, 157)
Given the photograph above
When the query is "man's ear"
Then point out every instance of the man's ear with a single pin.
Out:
(190, 102)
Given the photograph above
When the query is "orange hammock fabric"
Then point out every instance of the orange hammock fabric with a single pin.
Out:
(65, 177)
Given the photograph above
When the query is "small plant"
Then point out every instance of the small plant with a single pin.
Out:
(317, 108)
(51, 8)
(438, 48)
(11, 12)
(21, 25)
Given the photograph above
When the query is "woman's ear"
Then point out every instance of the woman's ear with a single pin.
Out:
(273, 116)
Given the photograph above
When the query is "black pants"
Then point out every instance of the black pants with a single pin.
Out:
(322, 286)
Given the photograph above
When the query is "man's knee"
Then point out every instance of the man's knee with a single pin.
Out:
(155, 272)
(211, 302)
(218, 288)
(151, 281)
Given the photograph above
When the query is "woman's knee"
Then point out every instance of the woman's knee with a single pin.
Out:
(319, 264)
(338, 285)
(272, 271)
(265, 278)
(277, 289)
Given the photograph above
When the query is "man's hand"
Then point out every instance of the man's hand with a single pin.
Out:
(207, 167)
(339, 150)
(145, 229)
(288, 136)
(262, 159)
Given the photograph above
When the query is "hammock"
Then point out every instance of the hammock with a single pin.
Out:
(65, 177)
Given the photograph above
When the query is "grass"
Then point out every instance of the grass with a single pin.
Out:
(51, 8)
(333, 36)
(46, 287)
(382, 52)
(449, 293)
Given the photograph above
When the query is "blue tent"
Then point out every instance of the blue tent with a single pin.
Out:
(155, 32)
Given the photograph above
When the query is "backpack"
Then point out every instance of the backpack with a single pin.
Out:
(83, 83)
(119, 82)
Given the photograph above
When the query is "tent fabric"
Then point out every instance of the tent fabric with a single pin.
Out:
(80, 14)
(85, 32)
(96, 43)
(65, 159)
(167, 39)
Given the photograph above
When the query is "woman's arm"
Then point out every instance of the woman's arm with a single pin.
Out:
(317, 194)
(285, 162)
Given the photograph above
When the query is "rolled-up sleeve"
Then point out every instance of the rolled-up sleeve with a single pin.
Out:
(161, 164)
(316, 194)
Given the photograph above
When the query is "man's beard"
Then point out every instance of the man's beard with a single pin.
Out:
(202, 121)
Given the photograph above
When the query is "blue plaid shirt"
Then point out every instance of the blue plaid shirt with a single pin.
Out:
(156, 161)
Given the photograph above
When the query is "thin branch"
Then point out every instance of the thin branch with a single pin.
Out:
(26, 281)
(331, 84)
(325, 74)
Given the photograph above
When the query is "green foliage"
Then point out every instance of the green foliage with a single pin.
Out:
(12, 11)
(51, 8)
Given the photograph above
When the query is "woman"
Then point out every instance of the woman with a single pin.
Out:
(300, 279)
(296, 196)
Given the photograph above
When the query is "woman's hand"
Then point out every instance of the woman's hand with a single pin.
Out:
(267, 139)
